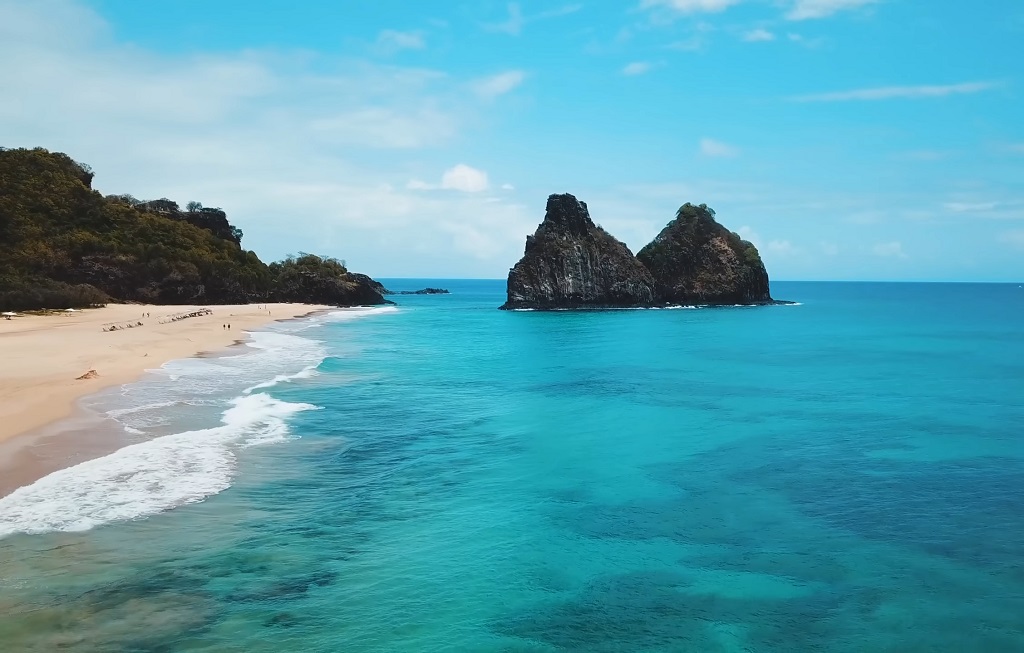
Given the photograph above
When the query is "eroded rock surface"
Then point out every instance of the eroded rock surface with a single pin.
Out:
(695, 260)
(572, 263)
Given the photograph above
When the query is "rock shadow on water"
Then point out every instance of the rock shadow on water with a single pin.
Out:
(807, 546)
(291, 588)
(966, 510)
(146, 612)
(637, 386)
(654, 611)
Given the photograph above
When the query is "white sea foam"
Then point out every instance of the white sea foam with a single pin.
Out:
(122, 412)
(305, 373)
(346, 314)
(171, 470)
(165, 398)
(150, 477)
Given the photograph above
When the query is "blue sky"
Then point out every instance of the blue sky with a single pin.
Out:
(849, 139)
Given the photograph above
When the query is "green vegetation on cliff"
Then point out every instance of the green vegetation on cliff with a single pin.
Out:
(63, 244)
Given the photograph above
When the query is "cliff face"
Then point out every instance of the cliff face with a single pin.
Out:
(695, 260)
(572, 263)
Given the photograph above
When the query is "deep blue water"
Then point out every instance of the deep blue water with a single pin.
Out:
(841, 475)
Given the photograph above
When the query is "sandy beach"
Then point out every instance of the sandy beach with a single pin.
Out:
(42, 358)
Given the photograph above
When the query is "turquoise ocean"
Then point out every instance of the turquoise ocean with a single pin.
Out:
(843, 474)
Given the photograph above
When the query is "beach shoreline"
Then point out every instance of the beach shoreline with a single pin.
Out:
(43, 359)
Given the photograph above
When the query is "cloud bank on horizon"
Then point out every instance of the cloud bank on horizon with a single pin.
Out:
(848, 139)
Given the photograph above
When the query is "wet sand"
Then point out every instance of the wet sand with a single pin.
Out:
(42, 358)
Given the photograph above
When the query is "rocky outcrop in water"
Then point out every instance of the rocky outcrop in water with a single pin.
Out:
(572, 263)
(424, 291)
(695, 260)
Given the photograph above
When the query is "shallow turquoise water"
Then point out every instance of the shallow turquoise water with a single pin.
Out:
(841, 475)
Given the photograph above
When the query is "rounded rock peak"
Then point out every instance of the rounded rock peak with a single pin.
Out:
(565, 213)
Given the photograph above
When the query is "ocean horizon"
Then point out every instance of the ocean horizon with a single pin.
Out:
(840, 474)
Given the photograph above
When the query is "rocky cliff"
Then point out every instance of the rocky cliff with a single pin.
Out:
(572, 263)
(695, 260)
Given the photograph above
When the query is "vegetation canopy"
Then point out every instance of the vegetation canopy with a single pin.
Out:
(62, 244)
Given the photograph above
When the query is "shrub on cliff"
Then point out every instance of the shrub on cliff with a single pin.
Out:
(320, 280)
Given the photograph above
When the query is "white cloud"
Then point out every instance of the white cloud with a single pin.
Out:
(283, 146)
(748, 234)
(924, 155)
(870, 216)
(781, 248)
(564, 10)
(718, 149)
(1016, 147)
(692, 44)
(902, 92)
(777, 248)
(986, 203)
(1013, 238)
(386, 127)
(460, 177)
(829, 249)
(758, 34)
(464, 178)
(970, 207)
(495, 85)
(516, 21)
(892, 249)
(507, 187)
(636, 68)
(807, 9)
(690, 6)
(390, 40)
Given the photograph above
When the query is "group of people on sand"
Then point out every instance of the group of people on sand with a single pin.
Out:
(119, 327)
(185, 316)
(225, 326)
(162, 320)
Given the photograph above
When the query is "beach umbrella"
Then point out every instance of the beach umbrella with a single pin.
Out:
(70, 310)
(9, 314)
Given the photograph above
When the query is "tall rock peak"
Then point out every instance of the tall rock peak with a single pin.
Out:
(572, 263)
(566, 214)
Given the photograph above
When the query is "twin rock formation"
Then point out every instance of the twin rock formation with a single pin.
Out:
(572, 263)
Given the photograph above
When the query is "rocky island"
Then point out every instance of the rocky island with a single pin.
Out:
(571, 263)
(424, 291)
(695, 260)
